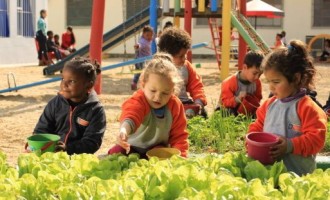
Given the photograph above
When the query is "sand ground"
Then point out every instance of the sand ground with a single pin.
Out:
(20, 111)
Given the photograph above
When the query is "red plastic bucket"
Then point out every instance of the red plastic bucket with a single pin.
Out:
(258, 146)
(249, 105)
(191, 110)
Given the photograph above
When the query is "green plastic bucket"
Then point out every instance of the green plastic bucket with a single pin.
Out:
(43, 142)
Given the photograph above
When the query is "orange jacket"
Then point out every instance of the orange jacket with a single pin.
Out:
(137, 107)
(313, 126)
(195, 85)
(228, 89)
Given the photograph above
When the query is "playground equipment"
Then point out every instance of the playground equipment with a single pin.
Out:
(316, 37)
(110, 39)
(129, 62)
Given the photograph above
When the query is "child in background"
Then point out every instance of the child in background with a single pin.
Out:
(326, 51)
(68, 40)
(153, 116)
(75, 114)
(290, 113)
(244, 85)
(64, 52)
(278, 41)
(142, 49)
(283, 33)
(51, 46)
(177, 42)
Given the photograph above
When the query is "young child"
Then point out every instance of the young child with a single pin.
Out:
(290, 113)
(326, 51)
(51, 46)
(68, 40)
(143, 48)
(177, 42)
(243, 86)
(64, 52)
(42, 38)
(75, 113)
(153, 116)
(278, 41)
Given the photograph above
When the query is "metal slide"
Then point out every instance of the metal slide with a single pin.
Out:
(110, 39)
(249, 34)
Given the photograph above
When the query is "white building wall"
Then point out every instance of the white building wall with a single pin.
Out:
(17, 50)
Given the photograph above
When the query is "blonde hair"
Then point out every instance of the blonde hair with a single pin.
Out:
(162, 64)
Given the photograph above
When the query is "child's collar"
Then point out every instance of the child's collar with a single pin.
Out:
(298, 95)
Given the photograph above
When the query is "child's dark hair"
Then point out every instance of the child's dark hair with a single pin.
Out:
(253, 59)
(73, 38)
(168, 24)
(42, 12)
(147, 28)
(56, 36)
(279, 35)
(49, 33)
(290, 61)
(173, 40)
(85, 67)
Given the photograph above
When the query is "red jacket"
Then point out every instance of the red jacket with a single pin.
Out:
(137, 108)
(66, 40)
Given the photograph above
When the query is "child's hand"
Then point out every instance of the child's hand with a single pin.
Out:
(60, 146)
(122, 141)
(278, 150)
(241, 95)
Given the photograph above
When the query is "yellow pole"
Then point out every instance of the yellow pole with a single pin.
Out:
(176, 22)
(226, 24)
(201, 6)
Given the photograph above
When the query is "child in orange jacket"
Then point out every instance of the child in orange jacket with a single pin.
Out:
(291, 114)
(241, 92)
(153, 116)
(177, 42)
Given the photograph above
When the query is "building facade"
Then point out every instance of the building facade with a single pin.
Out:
(303, 18)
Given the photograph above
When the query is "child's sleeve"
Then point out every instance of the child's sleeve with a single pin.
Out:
(313, 128)
(134, 110)
(195, 85)
(92, 137)
(46, 123)
(258, 92)
(179, 135)
(228, 89)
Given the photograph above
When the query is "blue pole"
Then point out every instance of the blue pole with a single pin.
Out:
(214, 6)
(129, 62)
(153, 22)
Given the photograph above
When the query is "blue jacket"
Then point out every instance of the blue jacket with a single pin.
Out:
(81, 128)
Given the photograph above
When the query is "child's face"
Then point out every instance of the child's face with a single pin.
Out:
(56, 38)
(250, 74)
(180, 57)
(279, 85)
(148, 36)
(157, 90)
(74, 86)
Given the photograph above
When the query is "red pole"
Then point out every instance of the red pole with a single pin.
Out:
(187, 23)
(96, 38)
(241, 43)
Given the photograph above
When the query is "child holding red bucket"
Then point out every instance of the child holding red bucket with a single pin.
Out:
(75, 114)
(177, 42)
(241, 92)
(154, 116)
(291, 114)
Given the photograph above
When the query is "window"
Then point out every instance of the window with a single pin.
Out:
(321, 12)
(267, 22)
(4, 20)
(79, 12)
(25, 16)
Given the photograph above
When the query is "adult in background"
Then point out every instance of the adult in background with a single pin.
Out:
(41, 37)
(68, 40)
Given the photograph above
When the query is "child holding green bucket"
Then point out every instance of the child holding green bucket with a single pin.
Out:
(75, 114)
(291, 114)
(154, 116)
(177, 43)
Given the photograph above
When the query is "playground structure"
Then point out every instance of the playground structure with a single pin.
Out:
(152, 14)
